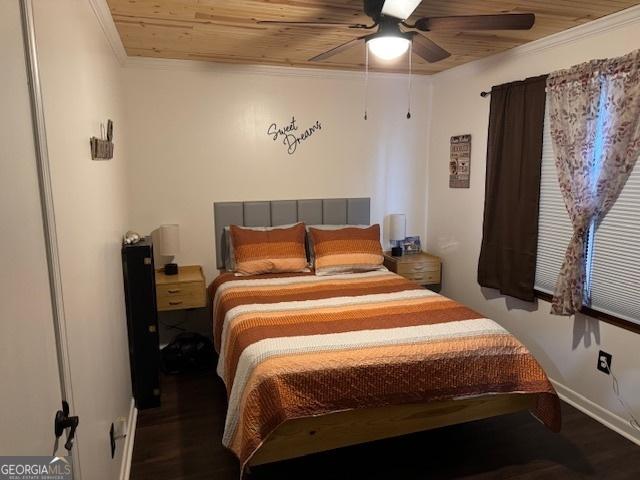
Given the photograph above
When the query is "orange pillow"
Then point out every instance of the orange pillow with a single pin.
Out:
(347, 250)
(269, 251)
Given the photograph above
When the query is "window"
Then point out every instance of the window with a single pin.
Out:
(613, 255)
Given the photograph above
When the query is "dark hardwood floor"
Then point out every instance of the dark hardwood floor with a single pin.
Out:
(181, 441)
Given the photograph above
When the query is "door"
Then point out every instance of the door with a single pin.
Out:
(31, 385)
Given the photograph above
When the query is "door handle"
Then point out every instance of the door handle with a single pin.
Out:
(63, 421)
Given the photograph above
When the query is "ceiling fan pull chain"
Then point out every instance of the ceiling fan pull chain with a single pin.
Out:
(366, 77)
(410, 65)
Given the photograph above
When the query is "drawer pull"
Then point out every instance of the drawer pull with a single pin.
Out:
(176, 290)
(419, 268)
(175, 303)
(422, 277)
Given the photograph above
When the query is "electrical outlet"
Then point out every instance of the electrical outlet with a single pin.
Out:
(604, 362)
(112, 438)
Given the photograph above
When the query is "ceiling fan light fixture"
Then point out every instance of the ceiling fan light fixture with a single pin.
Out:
(388, 47)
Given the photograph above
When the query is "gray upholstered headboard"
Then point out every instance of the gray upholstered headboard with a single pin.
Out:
(330, 211)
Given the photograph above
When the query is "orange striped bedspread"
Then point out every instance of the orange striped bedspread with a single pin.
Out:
(299, 345)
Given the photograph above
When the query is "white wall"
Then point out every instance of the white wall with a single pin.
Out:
(566, 347)
(197, 135)
(81, 86)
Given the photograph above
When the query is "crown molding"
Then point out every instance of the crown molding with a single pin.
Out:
(263, 70)
(610, 22)
(103, 14)
(614, 21)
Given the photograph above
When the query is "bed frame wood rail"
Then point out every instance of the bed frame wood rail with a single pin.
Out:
(303, 436)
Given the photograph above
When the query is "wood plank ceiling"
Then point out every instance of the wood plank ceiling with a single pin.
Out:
(225, 30)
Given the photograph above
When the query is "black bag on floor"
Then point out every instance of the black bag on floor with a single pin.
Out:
(187, 352)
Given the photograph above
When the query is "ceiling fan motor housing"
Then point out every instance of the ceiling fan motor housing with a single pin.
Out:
(373, 9)
(389, 27)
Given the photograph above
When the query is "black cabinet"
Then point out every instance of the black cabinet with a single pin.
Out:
(142, 322)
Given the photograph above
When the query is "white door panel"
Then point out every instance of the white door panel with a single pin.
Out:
(30, 392)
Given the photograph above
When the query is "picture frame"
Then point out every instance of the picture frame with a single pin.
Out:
(412, 245)
(460, 161)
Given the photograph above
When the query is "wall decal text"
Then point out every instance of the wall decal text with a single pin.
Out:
(289, 134)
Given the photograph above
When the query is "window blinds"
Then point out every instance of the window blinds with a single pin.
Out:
(615, 274)
(554, 225)
(615, 260)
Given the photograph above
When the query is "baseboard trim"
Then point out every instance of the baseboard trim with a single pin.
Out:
(595, 411)
(573, 398)
(125, 468)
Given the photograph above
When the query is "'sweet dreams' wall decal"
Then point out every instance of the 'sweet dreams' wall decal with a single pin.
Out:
(290, 135)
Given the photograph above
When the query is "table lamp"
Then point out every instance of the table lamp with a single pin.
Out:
(169, 245)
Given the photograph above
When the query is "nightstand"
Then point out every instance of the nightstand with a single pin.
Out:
(181, 291)
(421, 268)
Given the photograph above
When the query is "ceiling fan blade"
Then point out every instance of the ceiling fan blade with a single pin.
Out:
(338, 49)
(427, 49)
(507, 21)
(401, 9)
(312, 24)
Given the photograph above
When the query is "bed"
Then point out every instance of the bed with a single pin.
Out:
(313, 363)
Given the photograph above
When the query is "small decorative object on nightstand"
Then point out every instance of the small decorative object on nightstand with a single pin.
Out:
(421, 268)
(184, 290)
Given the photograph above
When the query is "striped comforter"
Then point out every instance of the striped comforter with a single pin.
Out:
(298, 345)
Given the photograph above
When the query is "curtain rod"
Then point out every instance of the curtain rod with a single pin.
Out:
(484, 94)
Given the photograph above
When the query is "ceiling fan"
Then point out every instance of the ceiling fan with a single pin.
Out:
(394, 35)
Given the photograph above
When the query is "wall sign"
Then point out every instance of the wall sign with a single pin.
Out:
(460, 162)
(290, 135)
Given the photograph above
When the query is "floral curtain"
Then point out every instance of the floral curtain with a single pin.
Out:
(595, 128)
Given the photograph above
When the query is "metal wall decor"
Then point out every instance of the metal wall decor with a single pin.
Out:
(102, 148)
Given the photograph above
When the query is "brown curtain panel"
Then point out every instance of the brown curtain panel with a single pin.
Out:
(512, 188)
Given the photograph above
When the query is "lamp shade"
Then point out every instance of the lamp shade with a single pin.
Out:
(169, 240)
(397, 226)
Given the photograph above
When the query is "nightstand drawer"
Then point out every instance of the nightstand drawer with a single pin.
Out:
(180, 295)
(424, 278)
(186, 289)
(418, 267)
(422, 268)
